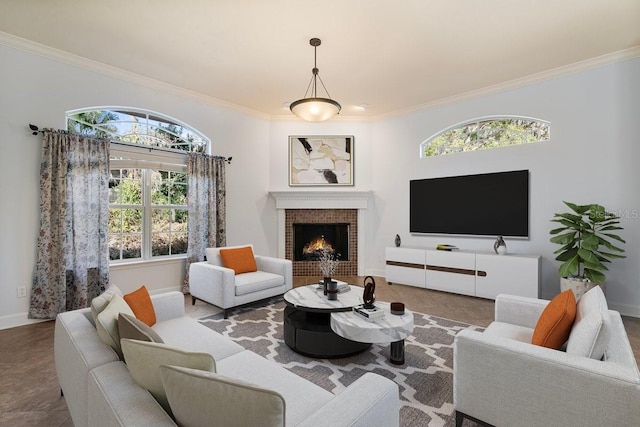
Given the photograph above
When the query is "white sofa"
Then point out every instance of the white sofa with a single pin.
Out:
(211, 282)
(99, 390)
(500, 378)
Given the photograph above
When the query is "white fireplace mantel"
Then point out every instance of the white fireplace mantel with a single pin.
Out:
(324, 200)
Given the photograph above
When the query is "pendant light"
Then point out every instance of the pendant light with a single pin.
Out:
(315, 109)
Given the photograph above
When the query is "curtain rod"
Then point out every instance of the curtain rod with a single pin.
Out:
(35, 130)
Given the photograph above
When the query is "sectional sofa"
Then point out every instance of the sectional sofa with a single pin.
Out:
(100, 390)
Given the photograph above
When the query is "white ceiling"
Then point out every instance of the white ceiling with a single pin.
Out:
(392, 55)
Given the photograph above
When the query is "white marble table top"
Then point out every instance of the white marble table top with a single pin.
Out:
(388, 329)
(312, 296)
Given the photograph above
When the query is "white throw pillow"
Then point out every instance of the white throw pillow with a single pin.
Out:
(144, 359)
(591, 330)
(191, 394)
(100, 302)
(107, 322)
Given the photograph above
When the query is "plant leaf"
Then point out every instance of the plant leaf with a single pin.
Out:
(566, 255)
(579, 209)
(570, 267)
(613, 236)
(564, 239)
(594, 276)
(558, 230)
(610, 255)
(610, 246)
(589, 257)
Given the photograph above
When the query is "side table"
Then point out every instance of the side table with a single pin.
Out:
(389, 329)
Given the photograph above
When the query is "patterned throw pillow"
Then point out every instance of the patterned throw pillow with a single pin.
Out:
(555, 322)
(240, 260)
(140, 303)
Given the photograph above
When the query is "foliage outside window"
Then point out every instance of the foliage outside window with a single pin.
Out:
(148, 213)
(485, 133)
(137, 127)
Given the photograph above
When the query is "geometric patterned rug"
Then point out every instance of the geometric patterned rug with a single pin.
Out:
(425, 380)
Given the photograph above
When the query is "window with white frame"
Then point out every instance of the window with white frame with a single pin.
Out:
(148, 184)
(485, 133)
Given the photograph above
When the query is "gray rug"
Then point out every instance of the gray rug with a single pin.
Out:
(425, 380)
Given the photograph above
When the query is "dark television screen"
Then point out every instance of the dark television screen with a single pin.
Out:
(492, 204)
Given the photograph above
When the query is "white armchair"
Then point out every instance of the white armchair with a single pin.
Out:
(215, 284)
(500, 378)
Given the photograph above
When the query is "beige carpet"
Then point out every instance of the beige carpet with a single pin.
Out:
(425, 380)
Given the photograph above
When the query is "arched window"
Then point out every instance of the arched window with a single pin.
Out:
(484, 133)
(148, 186)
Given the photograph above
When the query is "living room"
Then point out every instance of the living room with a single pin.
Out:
(591, 103)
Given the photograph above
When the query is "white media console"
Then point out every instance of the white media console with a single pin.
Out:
(480, 274)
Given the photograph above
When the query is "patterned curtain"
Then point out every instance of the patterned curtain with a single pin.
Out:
(72, 262)
(206, 196)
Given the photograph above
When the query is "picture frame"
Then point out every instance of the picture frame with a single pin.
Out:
(321, 160)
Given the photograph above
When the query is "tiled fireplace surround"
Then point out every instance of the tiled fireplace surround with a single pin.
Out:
(323, 207)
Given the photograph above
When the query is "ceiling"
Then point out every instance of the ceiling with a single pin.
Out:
(390, 55)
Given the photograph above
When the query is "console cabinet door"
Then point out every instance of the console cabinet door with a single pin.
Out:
(507, 274)
(405, 266)
(451, 272)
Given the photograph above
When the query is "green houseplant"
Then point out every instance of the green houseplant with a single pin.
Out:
(586, 245)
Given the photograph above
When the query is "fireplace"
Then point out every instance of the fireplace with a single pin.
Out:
(307, 207)
(311, 239)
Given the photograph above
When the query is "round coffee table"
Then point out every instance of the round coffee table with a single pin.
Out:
(307, 317)
(389, 329)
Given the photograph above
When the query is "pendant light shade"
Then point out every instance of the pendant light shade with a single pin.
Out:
(314, 108)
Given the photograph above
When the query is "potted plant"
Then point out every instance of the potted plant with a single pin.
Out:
(585, 238)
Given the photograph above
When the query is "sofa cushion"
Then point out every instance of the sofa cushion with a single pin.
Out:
(510, 331)
(100, 302)
(107, 322)
(135, 329)
(190, 335)
(240, 260)
(191, 392)
(303, 397)
(248, 283)
(592, 327)
(144, 359)
(140, 302)
(554, 325)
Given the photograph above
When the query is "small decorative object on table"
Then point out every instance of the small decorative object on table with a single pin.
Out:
(500, 247)
(369, 295)
(397, 308)
(443, 247)
(328, 265)
(398, 241)
(369, 314)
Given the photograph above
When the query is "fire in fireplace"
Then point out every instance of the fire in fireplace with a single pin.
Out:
(309, 240)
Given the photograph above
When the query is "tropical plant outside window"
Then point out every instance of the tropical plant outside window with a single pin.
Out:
(147, 199)
(485, 133)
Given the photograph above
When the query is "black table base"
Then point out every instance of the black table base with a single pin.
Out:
(309, 333)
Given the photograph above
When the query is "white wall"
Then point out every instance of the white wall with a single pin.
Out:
(34, 89)
(591, 158)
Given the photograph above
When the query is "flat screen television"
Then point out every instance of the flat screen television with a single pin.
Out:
(490, 204)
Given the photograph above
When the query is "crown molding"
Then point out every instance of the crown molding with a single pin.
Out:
(585, 65)
(48, 52)
(61, 56)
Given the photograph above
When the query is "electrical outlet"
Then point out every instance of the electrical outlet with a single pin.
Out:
(22, 292)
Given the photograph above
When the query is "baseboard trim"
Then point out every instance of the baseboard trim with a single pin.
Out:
(22, 319)
(19, 319)
(626, 309)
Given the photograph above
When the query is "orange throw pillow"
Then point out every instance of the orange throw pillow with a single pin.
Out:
(141, 305)
(555, 322)
(240, 260)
